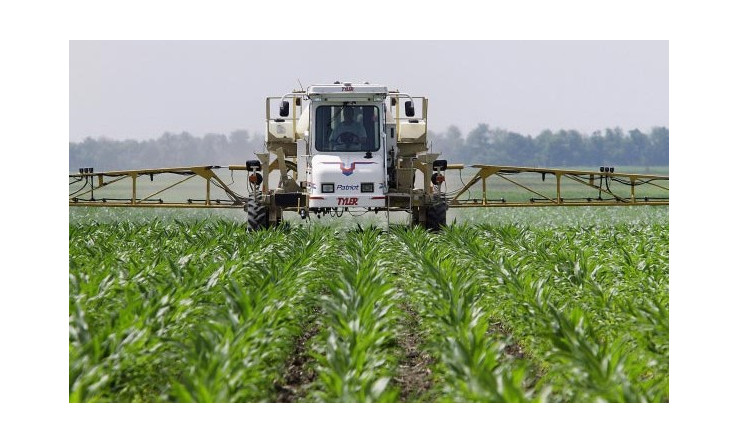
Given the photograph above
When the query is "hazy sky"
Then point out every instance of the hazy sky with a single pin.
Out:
(140, 89)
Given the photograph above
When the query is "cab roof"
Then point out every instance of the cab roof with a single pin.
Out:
(347, 89)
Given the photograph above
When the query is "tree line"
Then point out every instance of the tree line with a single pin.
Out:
(169, 150)
(483, 145)
(611, 147)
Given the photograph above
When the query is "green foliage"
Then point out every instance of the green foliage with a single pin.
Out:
(449, 297)
(352, 356)
(561, 148)
(179, 149)
(204, 311)
(583, 301)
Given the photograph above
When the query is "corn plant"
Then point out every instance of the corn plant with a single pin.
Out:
(537, 288)
(352, 356)
(448, 297)
(240, 354)
(199, 309)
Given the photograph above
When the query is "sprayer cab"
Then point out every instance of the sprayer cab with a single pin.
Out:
(348, 146)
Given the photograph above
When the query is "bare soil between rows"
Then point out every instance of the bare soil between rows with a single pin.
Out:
(414, 376)
(298, 375)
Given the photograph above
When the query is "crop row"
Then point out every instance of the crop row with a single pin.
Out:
(354, 363)
(200, 312)
(205, 311)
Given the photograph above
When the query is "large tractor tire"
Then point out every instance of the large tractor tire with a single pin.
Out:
(415, 217)
(435, 215)
(257, 213)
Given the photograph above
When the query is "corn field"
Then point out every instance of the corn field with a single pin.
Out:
(204, 311)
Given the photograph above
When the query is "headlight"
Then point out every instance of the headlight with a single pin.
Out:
(367, 187)
(327, 188)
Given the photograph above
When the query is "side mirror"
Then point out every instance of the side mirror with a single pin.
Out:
(253, 165)
(284, 109)
(440, 164)
(409, 109)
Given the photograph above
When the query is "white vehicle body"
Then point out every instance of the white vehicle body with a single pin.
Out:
(342, 146)
(343, 174)
(346, 180)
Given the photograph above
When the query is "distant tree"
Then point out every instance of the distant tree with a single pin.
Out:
(596, 149)
(478, 143)
(449, 143)
(543, 143)
(561, 154)
(638, 147)
(576, 148)
(240, 147)
(239, 140)
(519, 148)
(658, 150)
(614, 152)
(190, 150)
(454, 139)
(498, 149)
(214, 149)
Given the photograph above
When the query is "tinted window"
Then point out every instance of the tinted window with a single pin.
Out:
(346, 128)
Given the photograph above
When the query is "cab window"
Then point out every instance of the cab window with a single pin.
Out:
(347, 128)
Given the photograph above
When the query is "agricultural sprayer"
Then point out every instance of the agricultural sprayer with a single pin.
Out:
(357, 148)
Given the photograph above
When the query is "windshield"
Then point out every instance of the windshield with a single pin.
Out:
(347, 128)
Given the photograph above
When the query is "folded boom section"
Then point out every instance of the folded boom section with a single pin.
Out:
(513, 186)
(182, 187)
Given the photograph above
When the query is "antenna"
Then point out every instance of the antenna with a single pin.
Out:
(301, 88)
